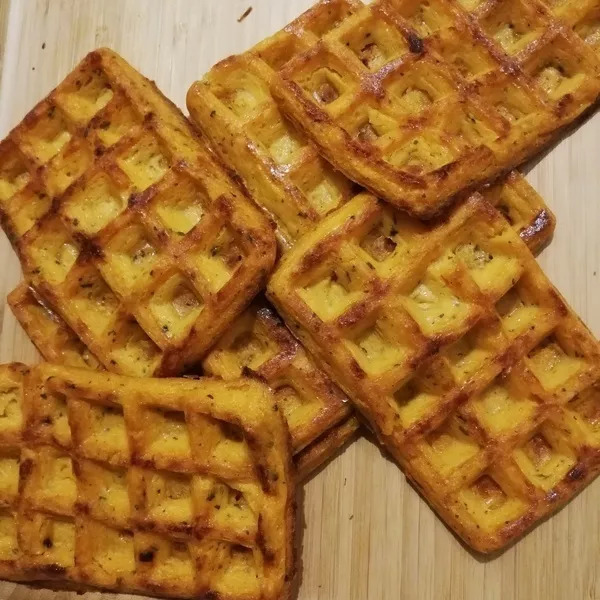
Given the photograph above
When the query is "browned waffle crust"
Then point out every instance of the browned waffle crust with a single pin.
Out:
(234, 107)
(55, 340)
(125, 224)
(583, 16)
(320, 421)
(316, 454)
(260, 344)
(417, 101)
(168, 487)
(257, 344)
(319, 418)
(468, 364)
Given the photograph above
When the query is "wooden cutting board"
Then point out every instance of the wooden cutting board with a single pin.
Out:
(366, 534)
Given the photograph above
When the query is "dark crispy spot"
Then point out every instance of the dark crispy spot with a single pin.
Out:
(357, 370)
(415, 44)
(367, 133)
(146, 555)
(576, 473)
(326, 93)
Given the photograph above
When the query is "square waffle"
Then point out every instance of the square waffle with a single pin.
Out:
(284, 172)
(124, 222)
(257, 343)
(234, 107)
(467, 363)
(167, 487)
(419, 101)
(316, 411)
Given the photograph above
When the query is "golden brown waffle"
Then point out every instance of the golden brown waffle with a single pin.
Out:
(319, 422)
(583, 16)
(168, 487)
(54, 339)
(317, 411)
(466, 361)
(234, 108)
(124, 222)
(259, 343)
(282, 170)
(419, 101)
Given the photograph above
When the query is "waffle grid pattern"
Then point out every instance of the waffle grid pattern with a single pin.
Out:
(233, 106)
(471, 368)
(258, 344)
(178, 488)
(583, 16)
(466, 361)
(312, 404)
(125, 224)
(11, 436)
(418, 101)
(316, 410)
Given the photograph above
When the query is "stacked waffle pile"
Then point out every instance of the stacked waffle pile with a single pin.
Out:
(373, 147)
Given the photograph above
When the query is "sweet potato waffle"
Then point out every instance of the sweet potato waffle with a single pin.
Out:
(258, 343)
(316, 410)
(167, 487)
(313, 405)
(583, 16)
(466, 361)
(285, 174)
(234, 107)
(125, 224)
(418, 101)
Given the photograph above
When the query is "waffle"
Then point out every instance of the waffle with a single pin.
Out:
(418, 102)
(583, 16)
(467, 363)
(167, 487)
(320, 424)
(54, 339)
(313, 405)
(234, 108)
(257, 343)
(125, 224)
(284, 173)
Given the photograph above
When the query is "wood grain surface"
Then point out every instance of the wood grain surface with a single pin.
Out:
(365, 533)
